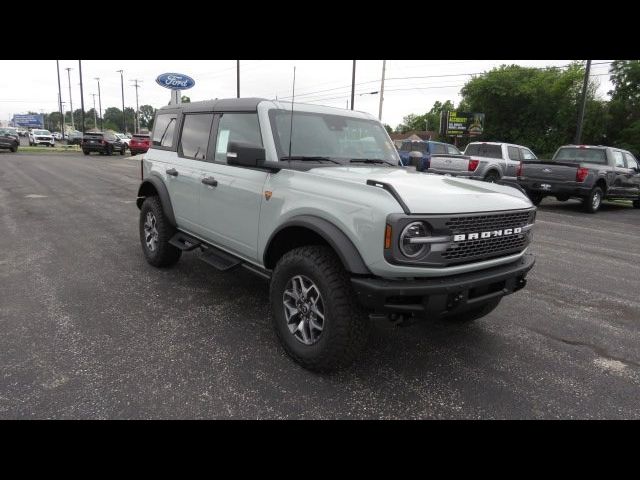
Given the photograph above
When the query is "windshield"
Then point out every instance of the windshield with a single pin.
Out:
(337, 137)
(41, 132)
(578, 155)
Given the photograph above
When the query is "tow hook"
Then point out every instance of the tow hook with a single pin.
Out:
(522, 282)
(455, 300)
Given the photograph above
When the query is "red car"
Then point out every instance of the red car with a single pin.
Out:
(139, 143)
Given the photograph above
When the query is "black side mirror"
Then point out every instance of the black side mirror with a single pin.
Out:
(245, 155)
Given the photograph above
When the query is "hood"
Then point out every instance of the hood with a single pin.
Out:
(432, 193)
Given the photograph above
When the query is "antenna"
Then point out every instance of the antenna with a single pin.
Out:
(292, 100)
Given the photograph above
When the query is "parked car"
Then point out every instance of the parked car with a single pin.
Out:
(74, 137)
(123, 138)
(587, 172)
(104, 143)
(340, 231)
(13, 132)
(489, 161)
(8, 141)
(41, 137)
(139, 143)
(418, 153)
(57, 135)
(23, 132)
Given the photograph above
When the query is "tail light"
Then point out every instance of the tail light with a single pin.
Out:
(519, 170)
(473, 164)
(581, 174)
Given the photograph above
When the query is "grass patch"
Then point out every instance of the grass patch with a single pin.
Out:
(69, 149)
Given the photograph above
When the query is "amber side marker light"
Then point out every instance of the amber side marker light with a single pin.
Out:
(387, 237)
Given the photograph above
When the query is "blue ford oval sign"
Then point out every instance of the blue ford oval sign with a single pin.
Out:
(175, 81)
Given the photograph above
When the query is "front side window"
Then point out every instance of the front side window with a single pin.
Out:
(527, 154)
(631, 162)
(337, 137)
(163, 130)
(451, 150)
(239, 128)
(195, 135)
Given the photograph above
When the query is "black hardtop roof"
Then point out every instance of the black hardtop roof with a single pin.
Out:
(224, 104)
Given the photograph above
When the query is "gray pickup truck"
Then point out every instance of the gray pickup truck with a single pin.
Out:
(590, 173)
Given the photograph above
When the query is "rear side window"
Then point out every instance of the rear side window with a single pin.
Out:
(514, 153)
(163, 130)
(438, 148)
(194, 140)
(619, 159)
(484, 150)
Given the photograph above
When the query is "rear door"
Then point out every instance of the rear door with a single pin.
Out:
(620, 180)
(180, 174)
(230, 196)
(513, 161)
(633, 177)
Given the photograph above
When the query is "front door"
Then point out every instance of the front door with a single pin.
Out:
(230, 196)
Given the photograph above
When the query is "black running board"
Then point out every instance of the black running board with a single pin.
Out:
(219, 259)
(185, 242)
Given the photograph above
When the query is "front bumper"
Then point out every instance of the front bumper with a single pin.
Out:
(442, 296)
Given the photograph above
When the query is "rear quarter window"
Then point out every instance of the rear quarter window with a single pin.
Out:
(164, 129)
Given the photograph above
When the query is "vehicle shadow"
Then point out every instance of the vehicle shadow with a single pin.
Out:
(575, 206)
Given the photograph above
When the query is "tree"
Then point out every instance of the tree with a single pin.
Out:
(623, 119)
(147, 113)
(388, 129)
(185, 99)
(533, 107)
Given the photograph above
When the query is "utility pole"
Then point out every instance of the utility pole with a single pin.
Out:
(63, 122)
(137, 108)
(95, 120)
(99, 102)
(384, 65)
(353, 83)
(68, 69)
(238, 75)
(60, 99)
(81, 93)
(583, 103)
(124, 120)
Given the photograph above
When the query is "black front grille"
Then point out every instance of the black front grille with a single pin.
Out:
(486, 248)
(483, 223)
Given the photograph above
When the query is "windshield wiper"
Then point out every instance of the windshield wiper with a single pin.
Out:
(310, 158)
(369, 160)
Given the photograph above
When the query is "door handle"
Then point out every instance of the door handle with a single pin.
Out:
(173, 172)
(212, 182)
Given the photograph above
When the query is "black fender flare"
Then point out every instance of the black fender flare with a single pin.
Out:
(163, 193)
(336, 238)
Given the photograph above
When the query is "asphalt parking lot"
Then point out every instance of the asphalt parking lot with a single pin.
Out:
(89, 330)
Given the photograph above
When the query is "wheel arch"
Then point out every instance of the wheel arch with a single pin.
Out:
(308, 229)
(155, 186)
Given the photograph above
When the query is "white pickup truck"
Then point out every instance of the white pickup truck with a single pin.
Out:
(489, 161)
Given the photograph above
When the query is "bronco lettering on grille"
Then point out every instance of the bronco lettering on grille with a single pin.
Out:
(490, 234)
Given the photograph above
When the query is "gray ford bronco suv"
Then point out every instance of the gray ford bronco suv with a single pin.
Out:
(312, 199)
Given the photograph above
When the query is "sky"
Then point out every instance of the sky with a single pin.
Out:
(411, 86)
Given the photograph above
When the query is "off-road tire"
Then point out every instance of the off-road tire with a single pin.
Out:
(165, 254)
(346, 323)
(474, 314)
(589, 203)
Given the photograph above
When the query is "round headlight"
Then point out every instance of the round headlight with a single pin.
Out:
(413, 230)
